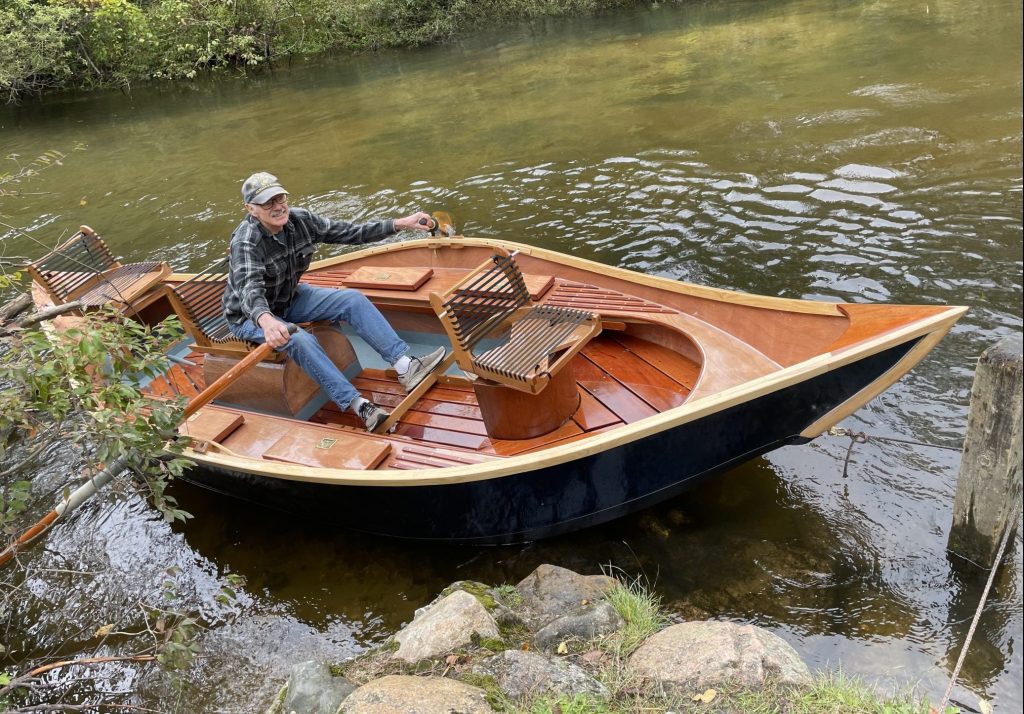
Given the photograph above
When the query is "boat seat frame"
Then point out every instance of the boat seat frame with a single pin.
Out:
(198, 303)
(83, 269)
(492, 303)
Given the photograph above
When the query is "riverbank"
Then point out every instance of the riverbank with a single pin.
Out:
(563, 642)
(88, 44)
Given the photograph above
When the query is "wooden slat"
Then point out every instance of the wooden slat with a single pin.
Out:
(510, 447)
(647, 382)
(592, 414)
(180, 382)
(610, 392)
(682, 370)
(441, 436)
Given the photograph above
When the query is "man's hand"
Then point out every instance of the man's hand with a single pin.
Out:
(418, 221)
(275, 332)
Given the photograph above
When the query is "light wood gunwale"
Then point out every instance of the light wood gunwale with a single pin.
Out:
(696, 407)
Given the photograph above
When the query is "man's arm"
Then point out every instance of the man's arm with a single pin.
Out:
(334, 231)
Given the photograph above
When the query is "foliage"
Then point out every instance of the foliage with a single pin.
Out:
(36, 47)
(53, 44)
(76, 389)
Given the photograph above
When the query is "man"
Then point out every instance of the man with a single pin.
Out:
(270, 250)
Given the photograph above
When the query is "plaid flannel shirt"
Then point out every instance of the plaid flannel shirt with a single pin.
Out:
(265, 269)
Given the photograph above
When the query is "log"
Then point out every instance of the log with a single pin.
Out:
(989, 484)
(15, 307)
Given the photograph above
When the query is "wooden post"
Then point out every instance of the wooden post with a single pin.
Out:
(989, 485)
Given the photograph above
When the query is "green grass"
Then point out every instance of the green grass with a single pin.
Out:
(640, 609)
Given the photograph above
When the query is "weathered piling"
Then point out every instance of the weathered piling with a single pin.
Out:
(989, 485)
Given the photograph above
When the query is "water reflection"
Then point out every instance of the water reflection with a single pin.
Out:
(853, 151)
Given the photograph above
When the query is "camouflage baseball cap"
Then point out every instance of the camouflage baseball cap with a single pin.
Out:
(261, 187)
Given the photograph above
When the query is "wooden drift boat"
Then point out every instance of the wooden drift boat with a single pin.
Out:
(644, 386)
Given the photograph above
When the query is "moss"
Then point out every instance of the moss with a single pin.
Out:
(277, 706)
(493, 644)
(494, 696)
(478, 590)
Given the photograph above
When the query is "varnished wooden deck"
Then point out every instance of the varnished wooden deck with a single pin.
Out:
(621, 379)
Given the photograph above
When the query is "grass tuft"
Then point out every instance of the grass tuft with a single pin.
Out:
(641, 610)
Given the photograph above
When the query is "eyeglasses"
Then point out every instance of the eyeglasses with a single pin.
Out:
(280, 199)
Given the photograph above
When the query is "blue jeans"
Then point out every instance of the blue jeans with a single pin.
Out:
(312, 304)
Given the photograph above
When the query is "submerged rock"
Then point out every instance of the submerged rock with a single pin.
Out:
(523, 674)
(699, 654)
(312, 689)
(416, 695)
(449, 623)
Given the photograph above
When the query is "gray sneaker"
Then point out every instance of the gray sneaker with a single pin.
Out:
(420, 367)
(372, 415)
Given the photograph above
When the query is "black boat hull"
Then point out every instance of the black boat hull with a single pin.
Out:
(576, 494)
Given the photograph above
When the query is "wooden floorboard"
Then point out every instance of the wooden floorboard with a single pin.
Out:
(610, 392)
(621, 380)
(644, 380)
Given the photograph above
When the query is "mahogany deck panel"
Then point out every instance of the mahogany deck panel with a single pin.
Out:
(611, 392)
(646, 381)
(683, 371)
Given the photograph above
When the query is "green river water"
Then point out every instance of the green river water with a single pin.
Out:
(859, 151)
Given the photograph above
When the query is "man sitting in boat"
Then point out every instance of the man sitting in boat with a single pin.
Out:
(270, 250)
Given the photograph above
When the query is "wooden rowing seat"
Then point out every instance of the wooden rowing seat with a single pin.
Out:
(514, 350)
(83, 269)
(277, 385)
(198, 303)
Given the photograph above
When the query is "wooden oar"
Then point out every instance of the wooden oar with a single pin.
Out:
(108, 473)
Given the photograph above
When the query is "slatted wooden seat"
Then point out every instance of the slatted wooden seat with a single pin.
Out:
(499, 337)
(198, 303)
(83, 269)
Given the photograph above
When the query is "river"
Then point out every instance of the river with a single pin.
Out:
(856, 151)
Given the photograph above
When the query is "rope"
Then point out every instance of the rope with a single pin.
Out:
(1007, 530)
(861, 438)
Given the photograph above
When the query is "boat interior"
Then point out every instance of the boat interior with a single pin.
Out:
(631, 348)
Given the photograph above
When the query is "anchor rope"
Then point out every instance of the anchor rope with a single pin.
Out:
(1008, 528)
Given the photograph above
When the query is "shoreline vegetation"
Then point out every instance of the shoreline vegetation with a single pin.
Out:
(58, 45)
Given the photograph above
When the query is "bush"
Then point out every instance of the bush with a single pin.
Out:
(37, 42)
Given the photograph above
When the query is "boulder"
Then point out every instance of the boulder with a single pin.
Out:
(416, 695)
(550, 592)
(705, 654)
(312, 689)
(586, 623)
(522, 674)
(448, 623)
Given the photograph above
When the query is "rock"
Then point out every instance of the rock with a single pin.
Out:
(449, 623)
(523, 674)
(704, 654)
(550, 592)
(416, 695)
(312, 689)
(586, 623)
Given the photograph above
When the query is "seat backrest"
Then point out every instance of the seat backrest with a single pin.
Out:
(198, 303)
(73, 267)
(483, 303)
